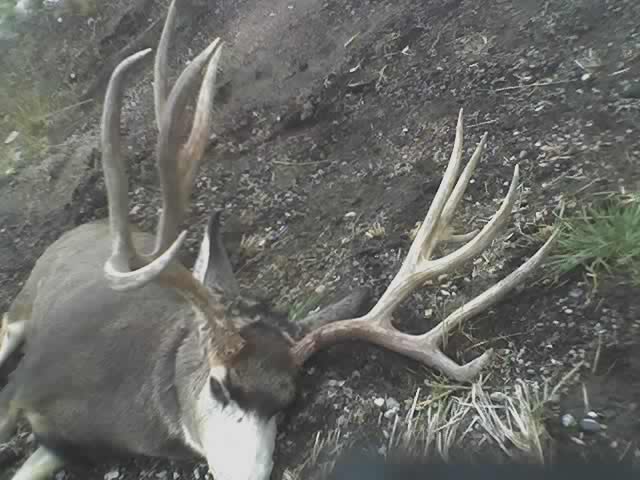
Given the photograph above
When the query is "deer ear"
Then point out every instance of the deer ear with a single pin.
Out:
(212, 267)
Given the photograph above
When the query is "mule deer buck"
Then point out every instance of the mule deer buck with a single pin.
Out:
(130, 352)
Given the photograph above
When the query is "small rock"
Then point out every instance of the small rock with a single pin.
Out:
(112, 475)
(392, 403)
(12, 136)
(568, 420)
(391, 413)
(307, 110)
(162, 474)
(592, 414)
(498, 397)
(379, 402)
(632, 90)
(349, 214)
(590, 425)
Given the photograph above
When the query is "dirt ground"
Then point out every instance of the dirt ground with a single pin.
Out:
(336, 118)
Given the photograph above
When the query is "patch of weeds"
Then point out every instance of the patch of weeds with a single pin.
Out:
(302, 308)
(601, 238)
(7, 19)
(375, 231)
(25, 111)
(7, 8)
(83, 8)
(252, 245)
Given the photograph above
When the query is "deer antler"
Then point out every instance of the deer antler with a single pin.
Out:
(127, 269)
(176, 165)
(418, 267)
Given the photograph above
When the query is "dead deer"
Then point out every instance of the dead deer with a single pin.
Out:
(130, 352)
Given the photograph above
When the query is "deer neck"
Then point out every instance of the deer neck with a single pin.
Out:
(191, 380)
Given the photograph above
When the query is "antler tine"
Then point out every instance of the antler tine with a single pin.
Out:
(218, 334)
(117, 268)
(191, 154)
(160, 64)
(428, 230)
(167, 148)
(456, 196)
(376, 326)
(492, 295)
(168, 241)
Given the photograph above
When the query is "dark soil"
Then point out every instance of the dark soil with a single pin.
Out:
(332, 107)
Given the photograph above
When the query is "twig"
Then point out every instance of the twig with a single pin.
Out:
(437, 40)
(597, 357)
(565, 379)
(532, 85)
(619, 72)
(488, 122)
(585, 398)
(348, 42)
(68, 107)
(300, 164)
(584, 187)
(382, 78)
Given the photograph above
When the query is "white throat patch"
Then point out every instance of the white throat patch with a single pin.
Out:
(237, 444)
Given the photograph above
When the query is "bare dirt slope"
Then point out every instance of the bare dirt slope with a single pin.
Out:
(332, 107)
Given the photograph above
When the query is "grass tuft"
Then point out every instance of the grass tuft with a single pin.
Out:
(25, 111)
(302, 308)
(601, 238)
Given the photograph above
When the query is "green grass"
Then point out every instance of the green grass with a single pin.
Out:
(604, 238)
(301, 309)
(84, 8)
(7, 8)
(26, 111)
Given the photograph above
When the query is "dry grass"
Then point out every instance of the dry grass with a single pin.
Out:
(252, 245)
(25, 111)
(448, 423)
(27, 108)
